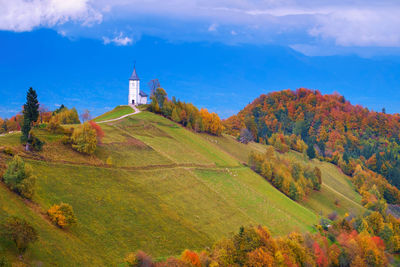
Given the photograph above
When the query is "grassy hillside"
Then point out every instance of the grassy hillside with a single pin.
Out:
(168, 189)
(115, 113)
(336, 186)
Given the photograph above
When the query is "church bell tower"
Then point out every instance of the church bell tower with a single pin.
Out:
(134, 88)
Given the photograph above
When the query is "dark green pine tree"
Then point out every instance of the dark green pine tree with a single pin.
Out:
(31, 114)
(311, 151)
(345, 157)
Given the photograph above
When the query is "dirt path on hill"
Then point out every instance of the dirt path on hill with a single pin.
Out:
(124, 116)
(337, 192)
(130, 168)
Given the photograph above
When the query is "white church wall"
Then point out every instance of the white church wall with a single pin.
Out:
(143, 100)
(133, 92)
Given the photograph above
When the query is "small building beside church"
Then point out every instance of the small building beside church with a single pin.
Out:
(136, 96)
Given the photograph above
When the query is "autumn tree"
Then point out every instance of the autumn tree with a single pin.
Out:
(20, 232)
(63, 115)
(84, 139)
(44, 113)
(2, 130)
(19, 177)
(85, 115)
(4, 126)
(160, 96)
(153, 85)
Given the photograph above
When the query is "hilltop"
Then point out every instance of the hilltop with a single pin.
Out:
(347, 135)
(167, 189)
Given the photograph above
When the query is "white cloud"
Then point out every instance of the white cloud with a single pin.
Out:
(360, 27)
(340, 23)
(233, 32)
(25, 15)
(119, 40)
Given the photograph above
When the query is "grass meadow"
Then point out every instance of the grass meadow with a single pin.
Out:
(167, 189)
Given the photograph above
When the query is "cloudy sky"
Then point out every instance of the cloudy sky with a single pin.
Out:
(212, 51)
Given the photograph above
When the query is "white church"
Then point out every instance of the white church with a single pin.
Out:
(136, 96)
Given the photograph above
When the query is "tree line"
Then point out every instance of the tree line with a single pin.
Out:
(293, 179)
(185, 114)
(369, 240)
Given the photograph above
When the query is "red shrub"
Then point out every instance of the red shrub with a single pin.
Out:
(99, 131)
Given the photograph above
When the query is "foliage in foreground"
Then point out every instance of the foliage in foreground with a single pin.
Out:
(341, 243)
(19, 177)
(20, 232)
(186, 114)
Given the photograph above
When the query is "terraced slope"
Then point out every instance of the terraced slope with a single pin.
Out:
(168, 189)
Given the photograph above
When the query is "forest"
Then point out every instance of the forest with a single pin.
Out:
(350, 136)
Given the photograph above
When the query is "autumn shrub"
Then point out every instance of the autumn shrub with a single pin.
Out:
(84, 139)
(138, 259)
(54, 127)
(62, 215)
(99, 131)
(191, 257)
(19, 231)
(19, 177)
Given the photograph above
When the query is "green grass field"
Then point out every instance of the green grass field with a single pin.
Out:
(168, 189)
(115, 113)
(336, 186)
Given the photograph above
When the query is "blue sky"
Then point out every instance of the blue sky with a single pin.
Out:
(217, 54)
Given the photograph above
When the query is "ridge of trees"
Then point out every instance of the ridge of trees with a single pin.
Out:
(185, 114)
(334, 130)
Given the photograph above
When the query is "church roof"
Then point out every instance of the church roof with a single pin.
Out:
(134, 75)
(142, 94)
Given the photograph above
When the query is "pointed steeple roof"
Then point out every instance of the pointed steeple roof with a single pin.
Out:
(134, 76)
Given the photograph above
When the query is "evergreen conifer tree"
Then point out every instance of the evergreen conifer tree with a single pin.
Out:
(311, 151)
(31, 114)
